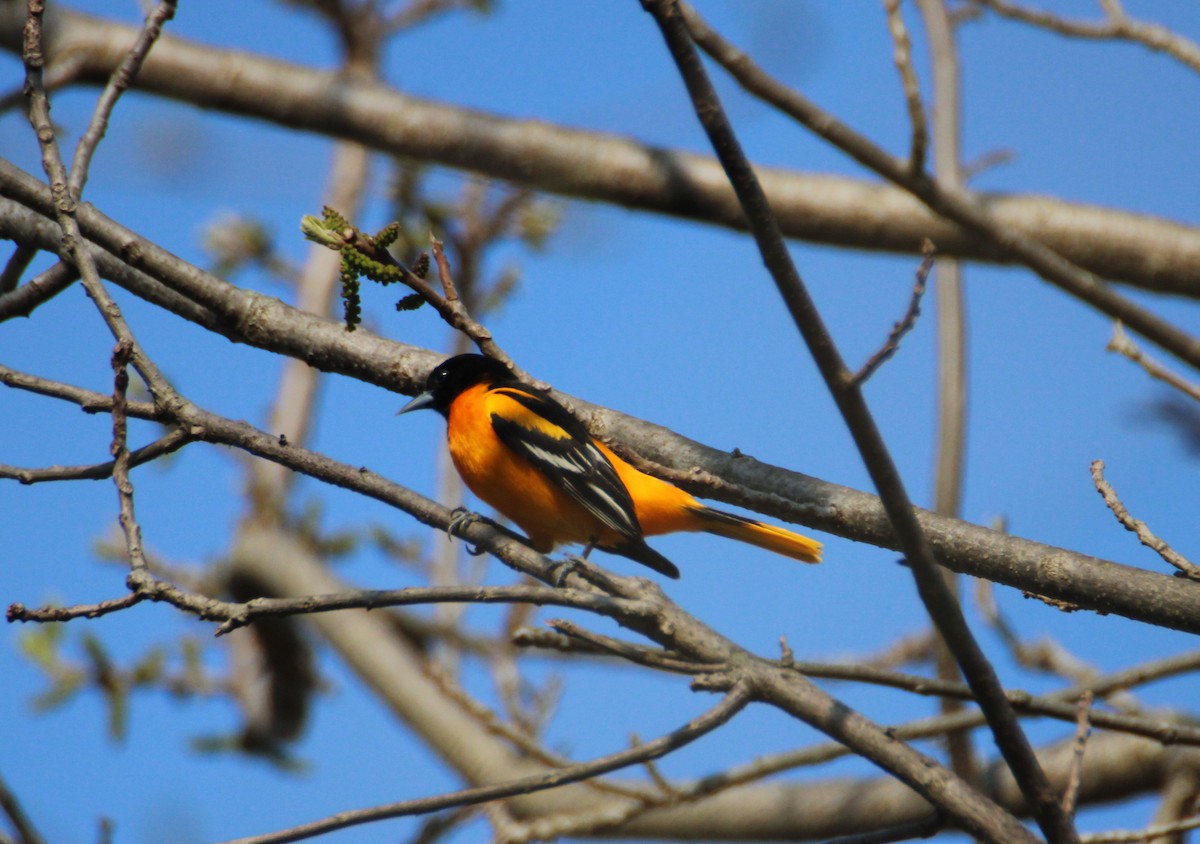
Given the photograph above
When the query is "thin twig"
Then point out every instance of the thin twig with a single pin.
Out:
(167, 444)
(1117, 26)
(902, 55)
(1055, 705)
(939, 602)
(637, 654)
(117, 83)
(21, 823)
(735, 700)
(1083, 729)
(19, 612)
(1122, 344)
(455, 313)
(664, 786)
(41, 288)
(1146, 536)
(88, 400)
(121, 457)
(905, 325)
(1140, 836)
(523, 741)
(235, 615)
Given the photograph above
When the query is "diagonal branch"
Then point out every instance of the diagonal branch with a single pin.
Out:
(1147, 537)
(120, 80)
(1122, 345)
(734, 701)
(39, 289)
(905, 325)
(941, 604)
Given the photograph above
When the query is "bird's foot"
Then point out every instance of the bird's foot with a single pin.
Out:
(561, 568)
(460, 520)
(573, 564)
(580, 565)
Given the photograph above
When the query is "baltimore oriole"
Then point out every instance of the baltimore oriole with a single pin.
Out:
(525, 455)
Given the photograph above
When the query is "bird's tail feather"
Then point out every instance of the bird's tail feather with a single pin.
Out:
(638, 551)
(772, 538)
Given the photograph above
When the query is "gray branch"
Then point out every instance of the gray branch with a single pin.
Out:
(267, 323)
(1141, 250)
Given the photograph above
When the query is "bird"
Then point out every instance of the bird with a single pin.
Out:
(525, 455)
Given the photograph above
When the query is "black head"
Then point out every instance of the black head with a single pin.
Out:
(454, 375)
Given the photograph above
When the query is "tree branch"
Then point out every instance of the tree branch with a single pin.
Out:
(734, 702)
(1146, 536)
(948, 201)
(950, 444)
(265, 322)
(934, 593)
(1149, 252)
(1116, 26)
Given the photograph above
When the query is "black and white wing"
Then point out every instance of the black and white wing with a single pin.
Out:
(544, 433)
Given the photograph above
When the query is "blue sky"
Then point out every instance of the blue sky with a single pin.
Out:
(666, 320)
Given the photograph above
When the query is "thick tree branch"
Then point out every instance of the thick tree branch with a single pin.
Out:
(265, 322)
(640, 606)
(1149, 252)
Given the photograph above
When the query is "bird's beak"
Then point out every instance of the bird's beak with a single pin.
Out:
(420, 402)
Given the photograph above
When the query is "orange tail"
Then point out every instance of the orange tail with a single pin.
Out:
(777, 539)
